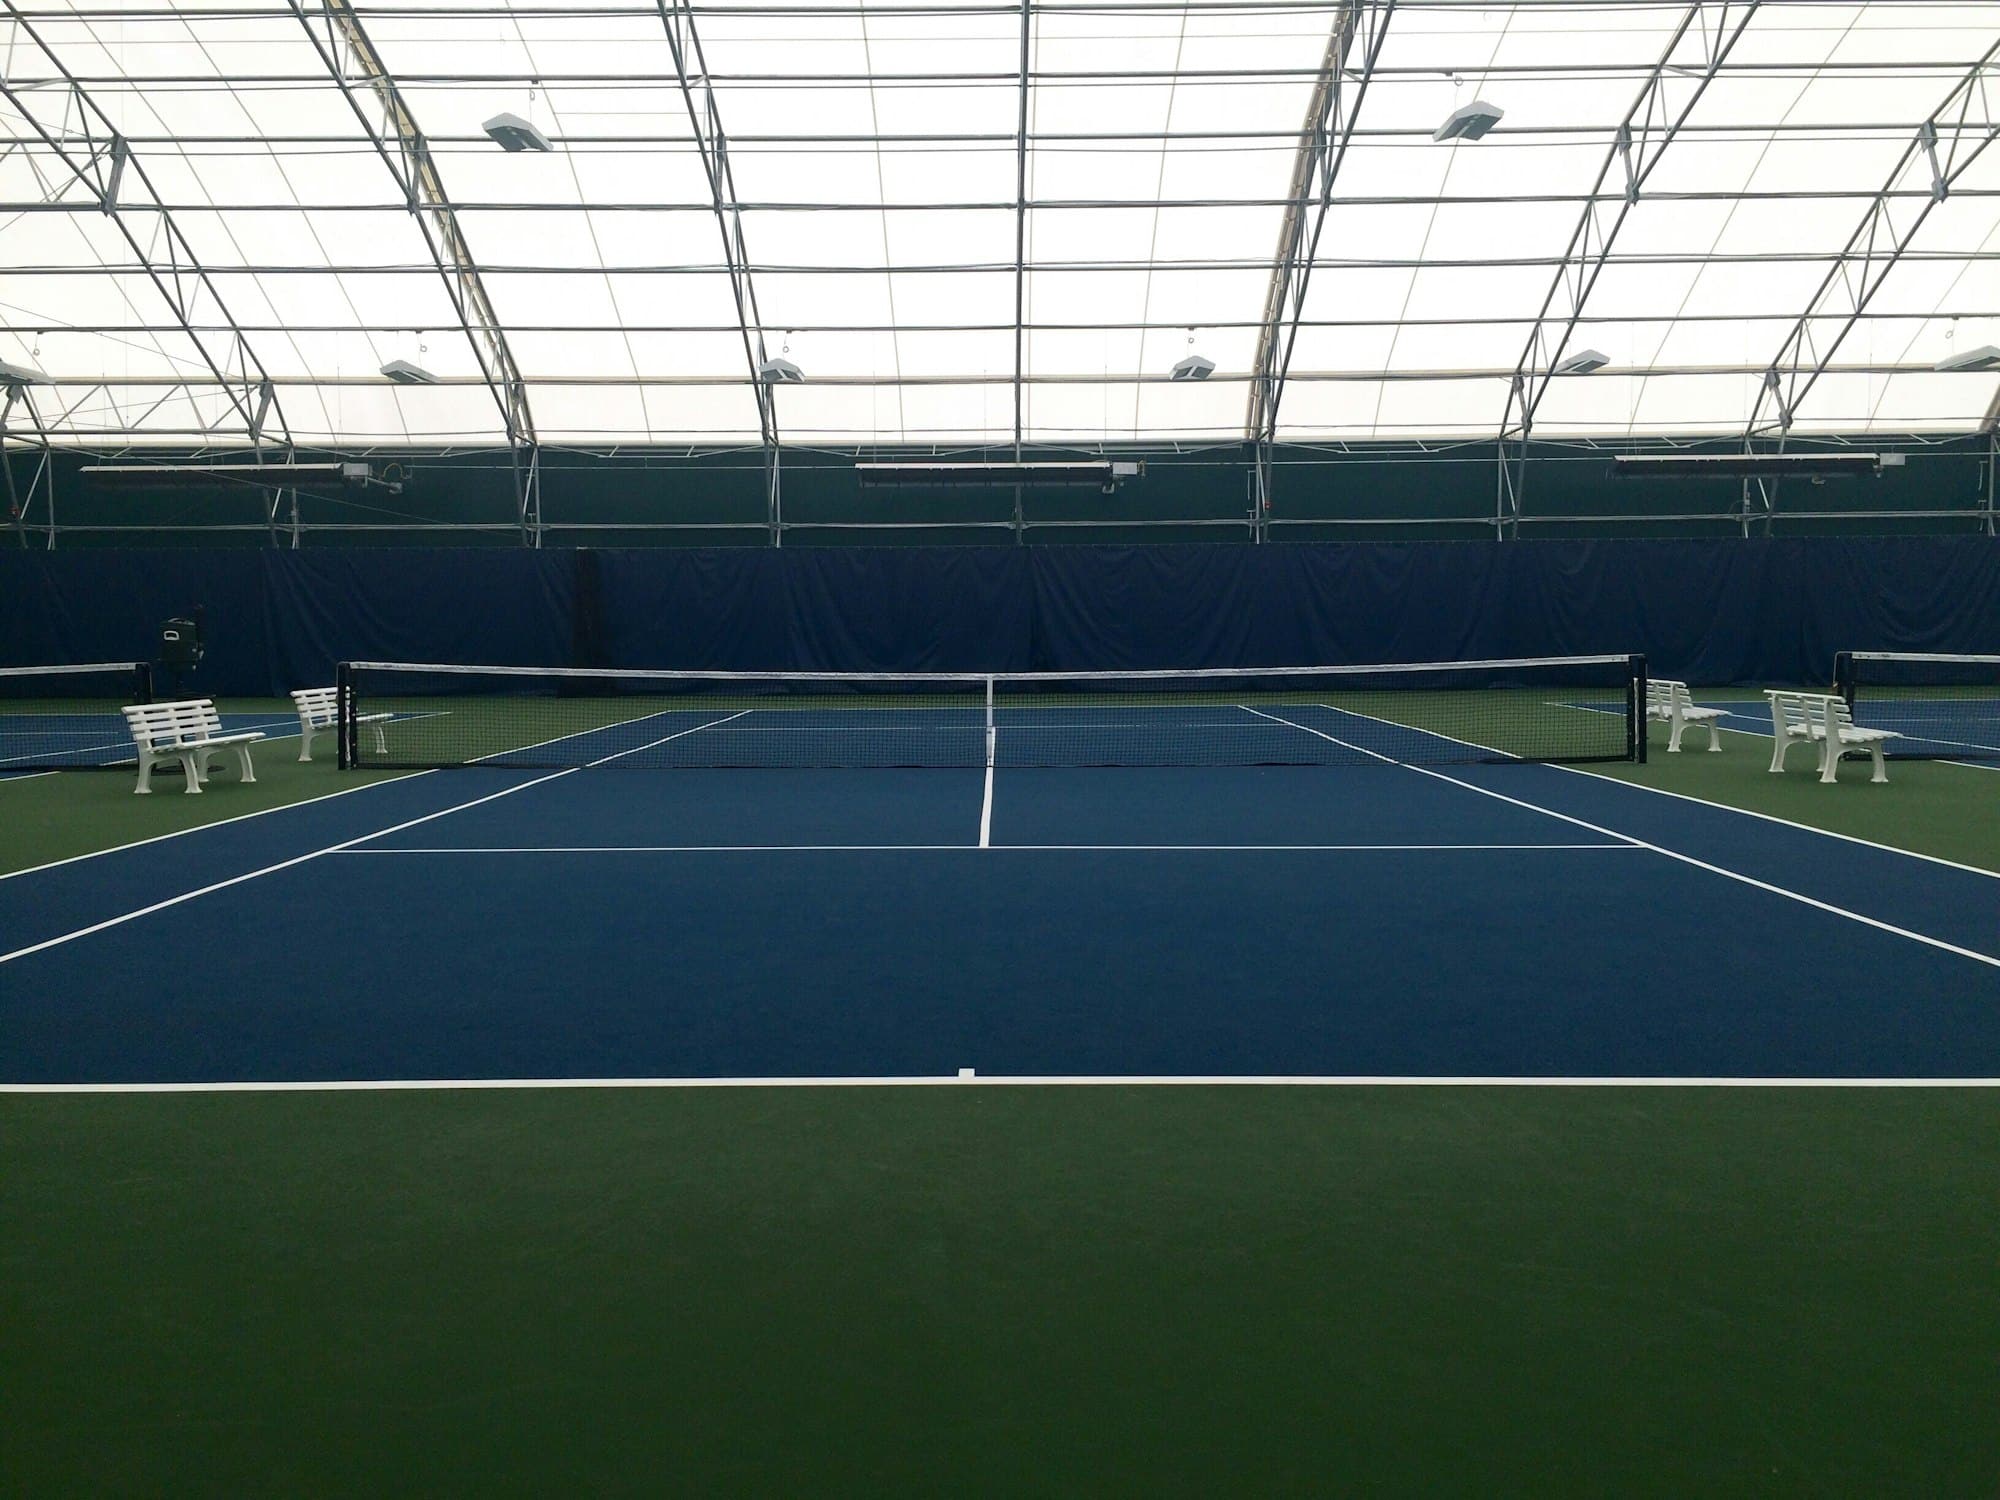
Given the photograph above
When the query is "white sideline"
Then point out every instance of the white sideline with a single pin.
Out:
(1749, 812)
(969, 1079)
(1687, 859)
(345, 844)
(388, 779)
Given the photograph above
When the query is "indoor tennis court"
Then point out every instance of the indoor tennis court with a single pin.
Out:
(1000, 747)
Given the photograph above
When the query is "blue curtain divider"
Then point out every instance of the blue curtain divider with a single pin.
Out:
(1713, 611)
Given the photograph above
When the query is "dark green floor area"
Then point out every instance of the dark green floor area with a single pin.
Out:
(44, 818)
(1003, 1291)
(1930, 806)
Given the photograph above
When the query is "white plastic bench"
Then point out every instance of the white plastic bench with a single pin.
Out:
(188, 731)
(1796, 719)
(319, 712)
(1843, 737)
(1669, 702)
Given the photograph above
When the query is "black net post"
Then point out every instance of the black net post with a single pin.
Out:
(344, 724)
(1635, 710)
(1843, 676)
(142, 685)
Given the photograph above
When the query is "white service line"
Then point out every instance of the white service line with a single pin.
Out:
(24, 775)
(967, 1078)
(1687, 859)
(997, 848)
(345, 844)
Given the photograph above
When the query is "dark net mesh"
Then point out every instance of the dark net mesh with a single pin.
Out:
(65, 718)
(1565, 709)
(1941, 707)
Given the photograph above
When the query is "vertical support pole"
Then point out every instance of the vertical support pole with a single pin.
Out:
(774, 513)
(1635, 709)
(992, 735)
(1992, 462)
(1021, 242)
(344, 715)
(17, 507)
(1019, 518)
(1262, 478)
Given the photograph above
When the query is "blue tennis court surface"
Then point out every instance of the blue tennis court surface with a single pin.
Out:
(1276, 922)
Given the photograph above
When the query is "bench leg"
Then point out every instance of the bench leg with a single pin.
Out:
(1674, 735)
(145, 785)
(305, 742)
(243, 755)
(192, 765)
(381, 744)
(1780, 743)
(1829, 764)
(1881, 771)
(1714, 735)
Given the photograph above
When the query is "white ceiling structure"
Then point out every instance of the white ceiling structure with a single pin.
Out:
(984, 223)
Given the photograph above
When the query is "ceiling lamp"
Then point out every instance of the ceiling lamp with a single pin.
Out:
(1985, 357)
(516, 134)
(1194, 367)
(1469, 122)
(1583, 362)
(404, 373)
(780, 372)
(19, 375)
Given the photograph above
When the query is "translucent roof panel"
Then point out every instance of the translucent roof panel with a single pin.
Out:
(968, 222)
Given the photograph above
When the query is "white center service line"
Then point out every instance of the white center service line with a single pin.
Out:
(1687, 859)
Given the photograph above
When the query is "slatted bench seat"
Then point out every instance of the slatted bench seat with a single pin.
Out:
(1842, 736)
(1669, 702)
(319, 713)
(188, 731)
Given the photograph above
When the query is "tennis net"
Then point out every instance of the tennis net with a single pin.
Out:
(1943, 707)
(65, 718)
(1547, 709)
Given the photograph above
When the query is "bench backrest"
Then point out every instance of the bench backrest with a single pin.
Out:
(317, 706)
(157, 724)
(1838, 715)
(1794, 713)
(1666, 697)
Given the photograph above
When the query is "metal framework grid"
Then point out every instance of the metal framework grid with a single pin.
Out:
(992, 227)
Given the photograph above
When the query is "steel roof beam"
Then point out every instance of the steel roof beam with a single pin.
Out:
(1006, 267)
(392, 130)
(1010, 78)
(1694, 55)
(1021, 250)
(705, 118)
(1330, 118)
(1954, 136)
(118, 185)
(1943, 147)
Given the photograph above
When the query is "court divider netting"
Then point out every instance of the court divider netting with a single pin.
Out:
(1942, 707)
(66, 718)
